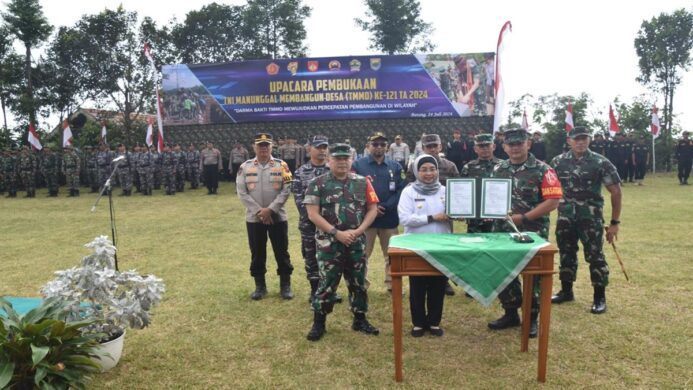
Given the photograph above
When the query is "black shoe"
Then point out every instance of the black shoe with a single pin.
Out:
(509, 320)
(563, 296)
(76, 192)
(438, 332)
(599, 304)
(448, 290)
(417, 332)
(285, 287)
(361, 324)
(533, 327)
(318, 328)
(260, 289)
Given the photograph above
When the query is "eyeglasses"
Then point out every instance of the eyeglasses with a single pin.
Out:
(379, 144)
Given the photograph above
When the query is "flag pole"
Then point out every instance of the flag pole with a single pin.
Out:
(654, 171)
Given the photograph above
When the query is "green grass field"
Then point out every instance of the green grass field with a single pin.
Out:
(207, 333)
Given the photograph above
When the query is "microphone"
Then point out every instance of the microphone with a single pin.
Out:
(119, 158)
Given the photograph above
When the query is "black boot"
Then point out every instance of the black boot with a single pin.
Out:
(313, 288)
(509, 320)
(448, 290)
(565, 295)
(361, 324)
(260, 289)
(76, 192)
(318, 329)
(533, 325)
(599, 304)
(285, 287)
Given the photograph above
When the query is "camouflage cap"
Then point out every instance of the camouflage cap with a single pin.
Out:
(483, 139)
(430, 139)
(340, 150)
(377, 135)
(579, 131)
(514, 136)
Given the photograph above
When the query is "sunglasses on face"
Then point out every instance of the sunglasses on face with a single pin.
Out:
(379, 144)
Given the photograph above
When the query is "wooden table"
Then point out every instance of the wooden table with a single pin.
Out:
(407, 263)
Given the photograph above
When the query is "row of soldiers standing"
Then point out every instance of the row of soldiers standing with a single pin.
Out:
(20, 168)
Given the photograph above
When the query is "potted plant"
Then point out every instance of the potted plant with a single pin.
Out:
(114, 300)
(42, 349)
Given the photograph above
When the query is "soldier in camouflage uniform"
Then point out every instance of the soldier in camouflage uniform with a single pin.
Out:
(125, 167)
(71, 168)
(580, 215)
(304, 174)
(27, 167)
(9, 170)
(342, 205)
(50, 168)
(181, 163)
(91, 168)
(169, 164)
(479, 169)
(536, 192)
(144, 171)
(134, 162)
(192, 159)
(156, 167)
(103, 164)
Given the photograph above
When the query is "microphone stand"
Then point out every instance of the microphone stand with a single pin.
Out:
(107, 187)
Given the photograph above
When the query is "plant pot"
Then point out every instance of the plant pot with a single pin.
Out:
(110, 353)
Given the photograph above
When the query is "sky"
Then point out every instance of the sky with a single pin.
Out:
(556, 46)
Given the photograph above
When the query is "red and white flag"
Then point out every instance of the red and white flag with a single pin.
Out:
(613, 124)
(104, 139)
(499, 85)
(525, 122)
(33, 138)
(655, 127)
(159, 106)
(149, 139)
(67, 134)
(569, 125)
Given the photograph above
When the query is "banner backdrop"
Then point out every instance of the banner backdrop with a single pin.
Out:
(358, 87)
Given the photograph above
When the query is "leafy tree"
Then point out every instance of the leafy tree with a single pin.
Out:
(65, 89)
(26, 21)
(274, 28)
(11, 69)
(664, 44)
(213, 33)
(396, 26)
(161, 41)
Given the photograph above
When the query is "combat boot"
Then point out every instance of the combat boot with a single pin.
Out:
(565, 295)
(448, 289)
(318, 328)
(599, 304)
(361, 324)
(509, 320)
(285, 287)
(77, 192)
(533, 325)
(260, 289)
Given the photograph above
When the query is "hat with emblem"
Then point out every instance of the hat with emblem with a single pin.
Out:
(483, 139)
(430, 139)
(263, 138)
(319, 140)
(514, 136)
(377, 135)
(340, 150)
(578, 131)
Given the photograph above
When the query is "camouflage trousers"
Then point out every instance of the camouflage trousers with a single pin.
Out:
(93, 178)
(194, 176)
(125, 178)
(307, 229)
(180, 179)
(334, 260)
(10, 180)
(103, 173)
(146, 178)
(590, 232)
(52, 182)
(72, 178)
(157, 177)
(168, 177)
(511, 296)
(28, 180)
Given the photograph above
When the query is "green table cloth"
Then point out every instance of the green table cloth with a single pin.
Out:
(482, 263)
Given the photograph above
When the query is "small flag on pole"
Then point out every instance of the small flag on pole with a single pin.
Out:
(569, 118)
(104, 133)
(33, 138)
(499, 83)
(613, 124)
(149, 139)
(525, 122)
(159, 106)
(67, 134)
(655, 127)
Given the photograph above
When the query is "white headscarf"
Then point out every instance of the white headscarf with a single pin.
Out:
(419, 186)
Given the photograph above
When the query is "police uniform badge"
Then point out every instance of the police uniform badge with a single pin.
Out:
(355, 65)
(292, 67)
(312, 66)
(334, 65)
(375, 63)
(272, 69)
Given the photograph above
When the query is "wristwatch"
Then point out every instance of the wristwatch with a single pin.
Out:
(615, 222)
(333, 231)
